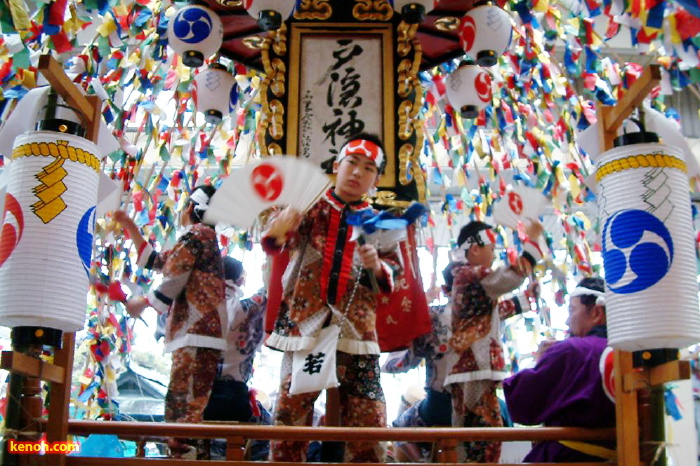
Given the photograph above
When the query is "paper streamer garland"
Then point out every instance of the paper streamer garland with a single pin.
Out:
(47, 231)
(648, 248)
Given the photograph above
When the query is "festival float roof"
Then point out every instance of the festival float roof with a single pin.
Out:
(437, 33)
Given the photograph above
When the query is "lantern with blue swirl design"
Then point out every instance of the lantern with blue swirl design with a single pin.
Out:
(648, 246)
(485, 32)
(269, 13)
(215, 93)
(469, 89)
(412, 11)
(195, 33)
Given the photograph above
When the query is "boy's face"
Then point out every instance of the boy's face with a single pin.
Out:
(481, 255)
(356, 174)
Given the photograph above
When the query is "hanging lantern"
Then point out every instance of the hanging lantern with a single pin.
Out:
(47, 230)
(269, 13)
(648, 245)
(469, 89)
(215, 93)
(485, 32)
(195, 32)
(413, 12)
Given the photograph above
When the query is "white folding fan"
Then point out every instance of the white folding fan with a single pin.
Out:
(518, 204)
(271, 181)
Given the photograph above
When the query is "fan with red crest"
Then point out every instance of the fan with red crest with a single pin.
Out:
(272, 181)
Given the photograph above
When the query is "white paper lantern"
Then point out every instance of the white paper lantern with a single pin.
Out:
(469, 89)
(196, 33)
(47, 230)
(269, 13)
(413, 11)
(214, 92)
(648, 248)
(485, 32)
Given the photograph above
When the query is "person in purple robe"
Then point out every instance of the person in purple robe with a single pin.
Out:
(570, 384)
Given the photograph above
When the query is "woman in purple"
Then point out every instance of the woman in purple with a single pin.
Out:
(566, 387)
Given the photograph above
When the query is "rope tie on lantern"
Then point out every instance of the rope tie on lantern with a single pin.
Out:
(641, 160)
(59, 149)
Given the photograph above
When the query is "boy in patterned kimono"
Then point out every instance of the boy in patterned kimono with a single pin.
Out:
(192, 293)
(328, 281)
(230, 399)
(476, 362)
(436, 408)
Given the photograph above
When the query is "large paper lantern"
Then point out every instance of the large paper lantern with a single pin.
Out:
(648, 248)
(47, 231)
(215, 93)
(412, 11)
(195, 32)
(469, 89)
(485, 32)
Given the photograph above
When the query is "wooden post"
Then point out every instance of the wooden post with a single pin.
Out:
(57, 429)
(626, 413)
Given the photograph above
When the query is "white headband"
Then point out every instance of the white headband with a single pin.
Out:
(365, 148)
(201, 199)
(583, 291)
(483, 235)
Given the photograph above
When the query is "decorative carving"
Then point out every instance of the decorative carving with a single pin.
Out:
(407, 113)
(388, 198)
(273, 92)
(372, 10)
(447, 23)
(276, 119)
(407, 79)
(254, 42)
(279, 41)
(408, 128)
(313, 9)
(277, 77)
(274, 149)
(406, 33)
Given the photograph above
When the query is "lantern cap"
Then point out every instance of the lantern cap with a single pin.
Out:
(486, 58)
(469, 111)
(61, 125)
(213, 117)
(413, 13)
(193, 58)
(640, 137)
(269, 20)
(23, 336)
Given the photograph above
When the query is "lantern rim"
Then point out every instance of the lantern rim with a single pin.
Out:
(23, 336)
(213, 116)
(193, 58)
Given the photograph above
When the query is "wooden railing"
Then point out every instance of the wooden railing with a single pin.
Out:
(445, 439)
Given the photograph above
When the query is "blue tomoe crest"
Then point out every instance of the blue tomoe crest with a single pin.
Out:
(192, 25)
(637, 251)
